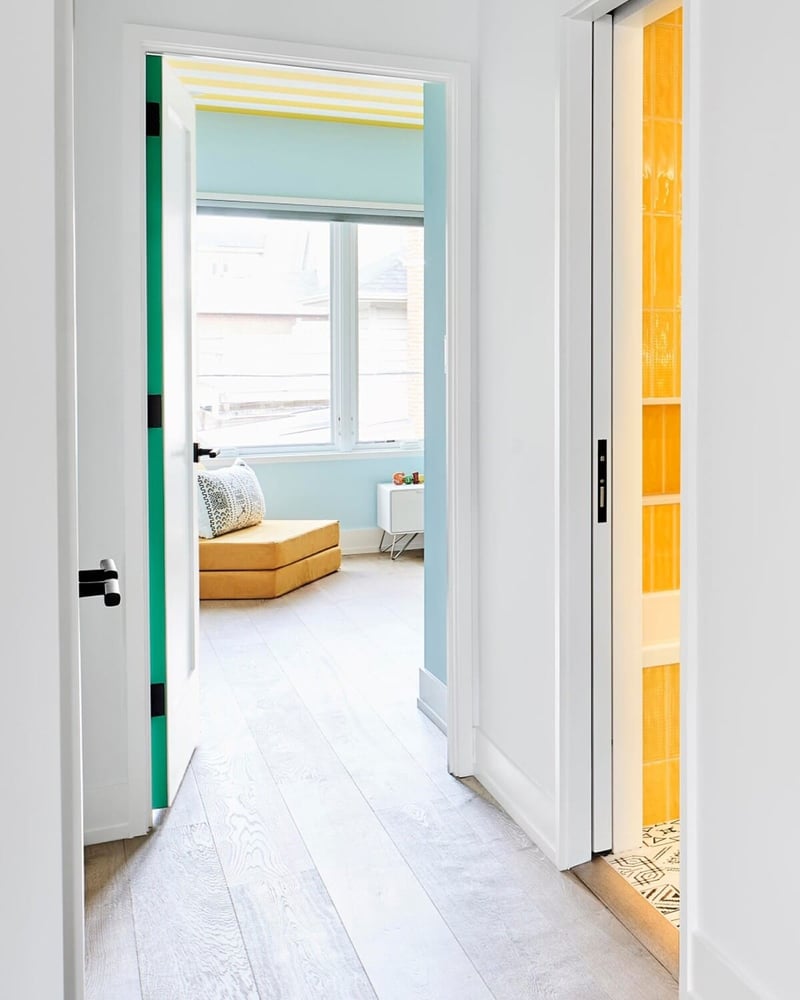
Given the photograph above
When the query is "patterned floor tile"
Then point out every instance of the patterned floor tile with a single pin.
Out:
(654, 868)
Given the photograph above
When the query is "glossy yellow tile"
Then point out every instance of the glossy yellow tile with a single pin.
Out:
(672, 692)
(654, 716)
(672, 449)
(667, 81)
(673, 809)
(661, 742)
(648, 262)
(649, 43)
(661, 353)
(661, 449)
(661, 547)
(649, 175)
(664, 270)
(652, 450)
(662, 156)
(655, 788)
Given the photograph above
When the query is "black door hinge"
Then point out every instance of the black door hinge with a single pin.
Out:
(152, 119)
(155, 410)
(158, 701)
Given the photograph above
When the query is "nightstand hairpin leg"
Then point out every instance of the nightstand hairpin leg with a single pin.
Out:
(394, 553)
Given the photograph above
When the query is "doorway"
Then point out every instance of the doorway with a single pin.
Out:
(637, 458)
(117, 757)
(310, 335)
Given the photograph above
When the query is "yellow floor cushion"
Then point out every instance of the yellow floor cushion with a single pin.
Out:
(268, 559)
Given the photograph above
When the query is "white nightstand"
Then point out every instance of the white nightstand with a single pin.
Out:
(401, 514)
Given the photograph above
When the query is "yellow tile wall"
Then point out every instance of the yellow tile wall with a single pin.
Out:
(662, 136)
(662, 748)
(661, 295)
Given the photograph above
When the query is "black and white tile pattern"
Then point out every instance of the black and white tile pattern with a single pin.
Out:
(654, 868)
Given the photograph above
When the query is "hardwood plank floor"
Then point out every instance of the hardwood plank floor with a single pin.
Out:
(188, 937)
(319, 849)
(112, 966)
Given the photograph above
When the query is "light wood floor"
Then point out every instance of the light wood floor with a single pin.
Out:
(319, 849)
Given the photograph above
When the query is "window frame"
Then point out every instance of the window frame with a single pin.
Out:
(344, 219)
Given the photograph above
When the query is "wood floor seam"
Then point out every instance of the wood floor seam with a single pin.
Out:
(332, 901)
(377, 818)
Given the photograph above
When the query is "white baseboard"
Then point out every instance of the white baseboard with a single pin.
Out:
(522, 799)
(358, 541)
(432, 700)
(713, 975)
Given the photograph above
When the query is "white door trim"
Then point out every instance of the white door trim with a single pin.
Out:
(573, 838)
(575, 469)
(462, 626)
(68, 566)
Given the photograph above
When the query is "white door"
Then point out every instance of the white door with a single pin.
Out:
(617, 433)
(180, 513)
(618, 399)
(602, 704)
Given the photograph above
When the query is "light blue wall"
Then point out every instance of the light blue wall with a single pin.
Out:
(435, 174)
(286, 157)
(340, 489)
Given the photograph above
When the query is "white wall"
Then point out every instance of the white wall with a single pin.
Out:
(40, 854)
(517, 404)
(742, 540)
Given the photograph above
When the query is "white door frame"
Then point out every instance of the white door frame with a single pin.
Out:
(575, 466)
(575, 385)
(462, 636)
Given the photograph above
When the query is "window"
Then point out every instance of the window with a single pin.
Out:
(309, 333)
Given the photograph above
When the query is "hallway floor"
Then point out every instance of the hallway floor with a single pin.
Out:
(654, 869)
(319, 849)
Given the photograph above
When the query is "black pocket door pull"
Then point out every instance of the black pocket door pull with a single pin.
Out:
(102, 582)
(602, 481)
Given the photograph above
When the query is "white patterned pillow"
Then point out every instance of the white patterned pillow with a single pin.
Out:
(228, 499)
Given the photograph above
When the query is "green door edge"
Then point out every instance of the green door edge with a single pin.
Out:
(155, 435)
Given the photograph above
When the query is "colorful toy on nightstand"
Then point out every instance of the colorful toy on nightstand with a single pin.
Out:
(407, 478)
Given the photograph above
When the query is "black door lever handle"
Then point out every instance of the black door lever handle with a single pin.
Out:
(199, 452)
(102, 582)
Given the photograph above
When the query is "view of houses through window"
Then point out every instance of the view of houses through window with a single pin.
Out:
(309, 333)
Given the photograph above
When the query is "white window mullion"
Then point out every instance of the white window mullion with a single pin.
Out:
(344, 333)
(337, 325)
